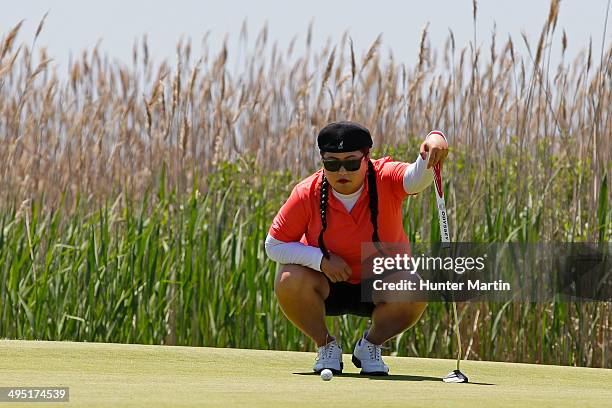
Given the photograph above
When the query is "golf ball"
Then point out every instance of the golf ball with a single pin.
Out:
(327, 375)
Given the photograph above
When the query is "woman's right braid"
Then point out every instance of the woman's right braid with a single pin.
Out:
(324, 189)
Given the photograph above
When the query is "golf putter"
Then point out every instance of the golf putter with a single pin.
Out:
(455, 376)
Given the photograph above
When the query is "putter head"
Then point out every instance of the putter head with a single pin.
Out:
(455, 376)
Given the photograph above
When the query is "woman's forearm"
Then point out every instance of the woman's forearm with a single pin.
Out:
(293, 253)
(417, 177)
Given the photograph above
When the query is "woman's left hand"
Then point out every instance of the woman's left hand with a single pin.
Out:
(437, 147)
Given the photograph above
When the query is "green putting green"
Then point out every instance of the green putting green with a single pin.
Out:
(102, 374)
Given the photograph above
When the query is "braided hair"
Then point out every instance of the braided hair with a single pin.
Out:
(373, 196)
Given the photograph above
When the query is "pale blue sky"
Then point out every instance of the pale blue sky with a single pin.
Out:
(77, 25)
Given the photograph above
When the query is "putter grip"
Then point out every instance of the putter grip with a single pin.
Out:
(444, 232)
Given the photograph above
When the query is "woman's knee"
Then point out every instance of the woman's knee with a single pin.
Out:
(413, 310)
(418, 308)
(295, 280)
(410, 311)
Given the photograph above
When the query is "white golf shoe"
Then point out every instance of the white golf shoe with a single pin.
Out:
(367, 356)
(329, 356)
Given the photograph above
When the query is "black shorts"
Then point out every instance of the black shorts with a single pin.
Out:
(345, 298)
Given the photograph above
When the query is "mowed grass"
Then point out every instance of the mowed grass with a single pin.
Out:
(104, 374)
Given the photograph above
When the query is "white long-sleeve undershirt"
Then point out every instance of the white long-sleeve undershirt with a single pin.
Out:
(416, 178)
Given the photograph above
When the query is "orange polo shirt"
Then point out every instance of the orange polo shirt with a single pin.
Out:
(299, 219)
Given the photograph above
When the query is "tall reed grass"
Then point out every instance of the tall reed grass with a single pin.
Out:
(136, 198)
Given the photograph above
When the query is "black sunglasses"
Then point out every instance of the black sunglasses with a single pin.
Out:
(349, 164)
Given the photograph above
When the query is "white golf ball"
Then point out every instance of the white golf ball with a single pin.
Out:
(327, 374)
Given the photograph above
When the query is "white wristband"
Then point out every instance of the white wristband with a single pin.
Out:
(436, 132)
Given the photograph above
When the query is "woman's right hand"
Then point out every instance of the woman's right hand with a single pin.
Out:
(335, 268)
